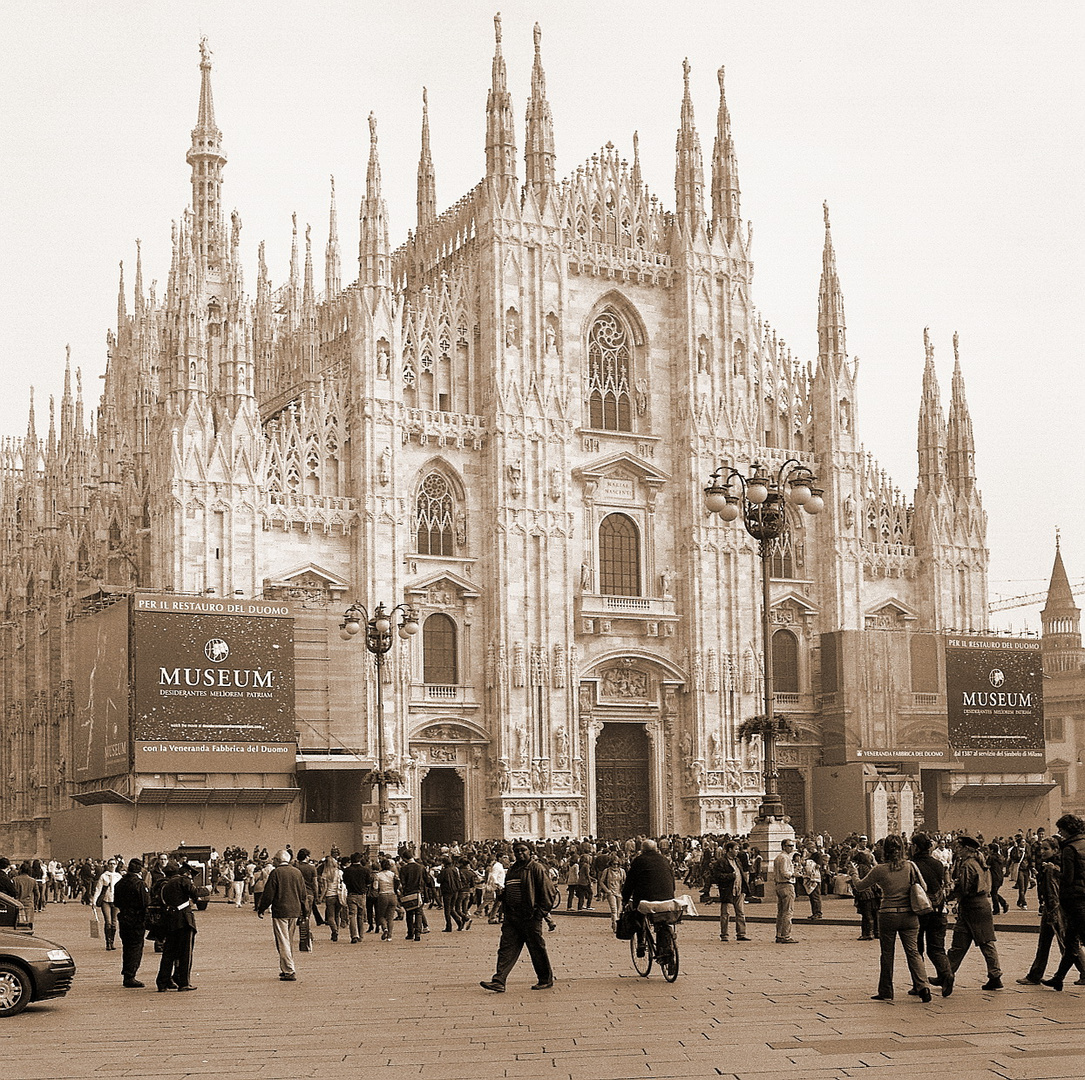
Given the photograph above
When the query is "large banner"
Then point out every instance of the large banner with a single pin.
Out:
(213, 684)
(100, 693)
(994, 700)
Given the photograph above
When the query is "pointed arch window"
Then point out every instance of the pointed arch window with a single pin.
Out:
(610, 374)
(435, 516)
(785, 662)
(619, 556)
(439, 660)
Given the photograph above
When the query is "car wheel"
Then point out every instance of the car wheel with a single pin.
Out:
(15, 989)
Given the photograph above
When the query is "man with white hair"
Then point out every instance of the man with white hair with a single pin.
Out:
(286, 895)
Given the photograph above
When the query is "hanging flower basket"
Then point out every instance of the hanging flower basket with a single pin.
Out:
(782, 728)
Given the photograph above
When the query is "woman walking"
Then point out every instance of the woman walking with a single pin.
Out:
(103, 898)
(896, 918)
(611, 881)
(329, 880)
(387, 885)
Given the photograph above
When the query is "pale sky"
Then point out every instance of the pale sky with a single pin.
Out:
(947, 139)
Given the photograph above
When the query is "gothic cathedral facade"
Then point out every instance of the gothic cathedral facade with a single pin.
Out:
(506, 422)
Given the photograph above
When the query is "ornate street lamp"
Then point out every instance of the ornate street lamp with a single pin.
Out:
(378, 640)
(760, 500)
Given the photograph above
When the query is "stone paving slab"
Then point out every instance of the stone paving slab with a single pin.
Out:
(747, 1011)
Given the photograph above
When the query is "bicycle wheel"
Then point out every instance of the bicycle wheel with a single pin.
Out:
(669, 964)
(643, 964)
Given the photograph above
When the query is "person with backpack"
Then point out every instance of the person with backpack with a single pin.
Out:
(530, 896)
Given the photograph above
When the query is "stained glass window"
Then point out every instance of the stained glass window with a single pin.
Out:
(610, 363)
(434, 513)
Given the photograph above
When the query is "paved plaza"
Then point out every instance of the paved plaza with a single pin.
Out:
(399, 1009)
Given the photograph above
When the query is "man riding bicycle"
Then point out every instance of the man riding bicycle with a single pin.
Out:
(650, 877)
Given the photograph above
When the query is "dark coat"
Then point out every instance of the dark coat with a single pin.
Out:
(650, 877)
(285, 893)
(537, 894)
(179, 898)
(131, 896)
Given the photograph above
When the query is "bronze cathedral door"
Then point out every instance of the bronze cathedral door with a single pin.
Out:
(622, 782)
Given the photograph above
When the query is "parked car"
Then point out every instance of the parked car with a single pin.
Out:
(31, 968)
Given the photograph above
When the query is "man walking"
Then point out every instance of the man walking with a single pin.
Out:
(449, 881)
(975, 916)
(285, 893)
(783, 879)
(131, 897)
(530, 896)
(357, 877)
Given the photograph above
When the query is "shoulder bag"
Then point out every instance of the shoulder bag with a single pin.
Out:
(917, 895)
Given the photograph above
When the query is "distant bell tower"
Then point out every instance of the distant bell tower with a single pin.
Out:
(1061, 621)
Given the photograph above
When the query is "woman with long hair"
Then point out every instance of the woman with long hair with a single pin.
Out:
(895, 917)
(103, 898)
(387, 885)
(328, 880)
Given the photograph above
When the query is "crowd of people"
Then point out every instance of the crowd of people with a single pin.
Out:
(517, 885)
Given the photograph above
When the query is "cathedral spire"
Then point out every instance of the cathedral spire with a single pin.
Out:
(689, 166)
(67, 405)
(427, 182)
(206, 158)
(138, 298)
(122, 307)
(500, 133)
(726, 210)
(539, 148)
(960, 445)
(373, 248)
(932, 425)
(309, 290)
(636, 177)
(332, 272)
(295, 277)
(831, 339)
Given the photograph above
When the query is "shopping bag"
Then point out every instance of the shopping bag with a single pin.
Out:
(305, 934)
(95, 928)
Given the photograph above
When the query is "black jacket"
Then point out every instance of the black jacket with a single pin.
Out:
(131, 897)
(649, 877)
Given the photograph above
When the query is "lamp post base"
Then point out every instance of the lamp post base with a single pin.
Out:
(767, 836)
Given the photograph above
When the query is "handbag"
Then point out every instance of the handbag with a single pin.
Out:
(342, 893)
(305, 934)
(917, 895)
(627, 925)
(411, 901)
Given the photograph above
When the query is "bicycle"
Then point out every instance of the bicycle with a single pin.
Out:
(667, 964)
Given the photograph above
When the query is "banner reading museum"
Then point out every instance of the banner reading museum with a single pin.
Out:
(213, 685)
(994, 699)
